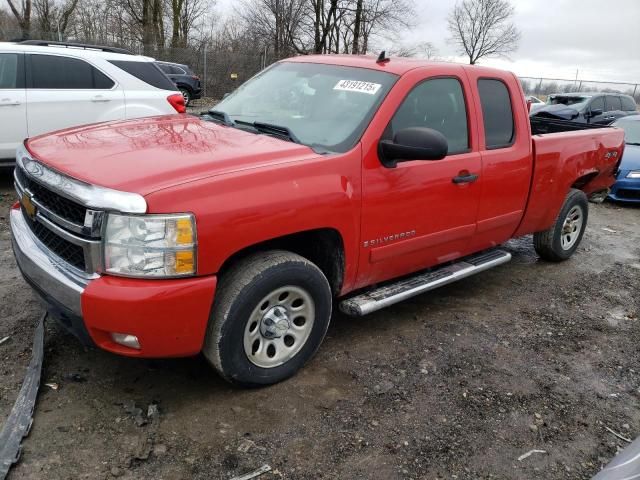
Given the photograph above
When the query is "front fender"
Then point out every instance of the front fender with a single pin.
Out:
(237, 210)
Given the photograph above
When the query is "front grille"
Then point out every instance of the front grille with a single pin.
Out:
(70, 252)
(61, 206)
(627, 193)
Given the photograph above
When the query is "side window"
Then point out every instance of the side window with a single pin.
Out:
(499, 130)
(65, 73)
(146, 72)
(613, 103)
(9, 71)
(438, 104)
(597, 104)
(164, 67)
(628, 104)
(177, 70)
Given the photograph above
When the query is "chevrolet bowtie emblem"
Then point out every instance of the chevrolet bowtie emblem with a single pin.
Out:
(28, 206)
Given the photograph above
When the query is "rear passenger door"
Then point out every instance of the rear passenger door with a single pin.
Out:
(506, 157)
(13, 107)
(613, 109)
(65, 91)
(628, 105)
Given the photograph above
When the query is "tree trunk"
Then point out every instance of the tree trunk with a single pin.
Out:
(24, 18)
(356, 29)
(147, 27)
(158, 25)
(176, 15)
(319, 8)
(66, 15)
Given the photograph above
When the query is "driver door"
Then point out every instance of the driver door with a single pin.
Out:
(421, 213)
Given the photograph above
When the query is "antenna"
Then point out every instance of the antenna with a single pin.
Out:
(382, 58)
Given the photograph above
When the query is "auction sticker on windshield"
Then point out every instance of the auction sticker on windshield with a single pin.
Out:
(357, 86)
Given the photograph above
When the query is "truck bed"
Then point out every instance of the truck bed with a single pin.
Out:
(541, 125)
(568, 155)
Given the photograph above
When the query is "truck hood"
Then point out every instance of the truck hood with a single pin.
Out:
(557, 111)
(149, 154)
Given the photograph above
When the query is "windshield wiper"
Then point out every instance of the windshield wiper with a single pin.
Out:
(259, 127)
(219, 116)
(633, 143)
(276, 130)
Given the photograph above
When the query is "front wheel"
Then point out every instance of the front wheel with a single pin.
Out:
(271, 313)
(560, 241)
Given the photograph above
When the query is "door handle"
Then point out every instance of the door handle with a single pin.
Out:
(100, 98)
(465, 177)
(7, 102)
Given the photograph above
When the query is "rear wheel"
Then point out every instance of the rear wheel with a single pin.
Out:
(270, 315)
(186, 94)
(560, 241)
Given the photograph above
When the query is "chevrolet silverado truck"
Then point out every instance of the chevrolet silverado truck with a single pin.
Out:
(323, 181)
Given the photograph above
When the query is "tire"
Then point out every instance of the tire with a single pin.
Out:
(186, 94)
(553, 244)
(244, 320)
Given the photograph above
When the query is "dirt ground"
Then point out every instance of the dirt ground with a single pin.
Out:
(454, 384)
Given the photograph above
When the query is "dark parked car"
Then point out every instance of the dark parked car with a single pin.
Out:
(187, 82)
(595, 108)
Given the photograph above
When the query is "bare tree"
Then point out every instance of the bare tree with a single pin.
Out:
(279, 23)
(52, 18)
(424, 50)
(22, 13)
(483, 28)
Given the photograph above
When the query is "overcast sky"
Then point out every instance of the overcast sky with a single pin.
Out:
(599, 38)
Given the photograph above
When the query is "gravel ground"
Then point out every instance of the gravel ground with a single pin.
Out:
(457, 383)
(201, 105)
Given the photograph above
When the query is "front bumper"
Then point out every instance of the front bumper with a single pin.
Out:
(59, 286)
(626, 189)
(169, 317)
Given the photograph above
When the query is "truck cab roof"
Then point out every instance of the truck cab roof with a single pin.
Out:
(394, 65)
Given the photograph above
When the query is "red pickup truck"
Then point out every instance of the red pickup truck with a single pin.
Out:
(322, 178)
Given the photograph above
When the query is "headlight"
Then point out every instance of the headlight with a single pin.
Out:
(633, 174)
(150, 245)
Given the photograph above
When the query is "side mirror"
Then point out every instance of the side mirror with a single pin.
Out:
(415, 143)
(595, 112)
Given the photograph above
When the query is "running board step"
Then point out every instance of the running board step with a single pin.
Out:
(395, 292)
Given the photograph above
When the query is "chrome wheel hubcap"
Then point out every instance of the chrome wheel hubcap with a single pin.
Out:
(185, 95)
(279, 326)
(571, 228)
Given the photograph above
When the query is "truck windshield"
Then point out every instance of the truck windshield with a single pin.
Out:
(326, 107)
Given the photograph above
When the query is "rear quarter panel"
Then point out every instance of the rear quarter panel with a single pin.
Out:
(560, 160)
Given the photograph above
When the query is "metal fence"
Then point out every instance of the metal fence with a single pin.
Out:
(545, 86)
(220, 71)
